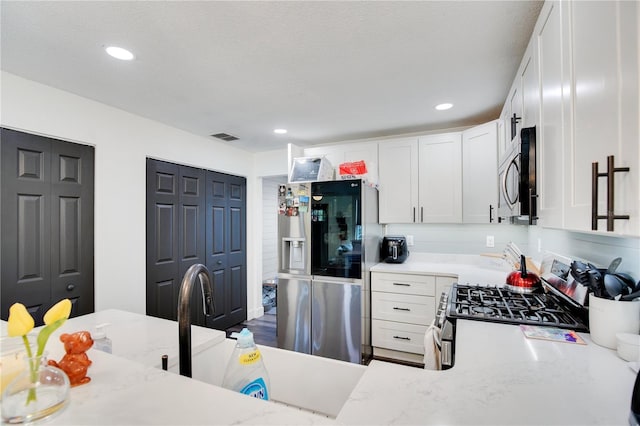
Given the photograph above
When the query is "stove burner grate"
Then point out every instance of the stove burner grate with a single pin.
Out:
(501, 305)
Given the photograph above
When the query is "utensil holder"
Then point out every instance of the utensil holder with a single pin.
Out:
(608, 317)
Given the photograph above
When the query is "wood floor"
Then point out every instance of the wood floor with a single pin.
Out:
(263, 329)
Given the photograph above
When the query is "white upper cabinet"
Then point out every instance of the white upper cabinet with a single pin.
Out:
(514, 108)
(421, 179)
(480, 173)
(550, 133)
(398, 173)
(578, 83)
(550, 136)
(440, 178)
(601, 41)
(530, 86)
(503, 128)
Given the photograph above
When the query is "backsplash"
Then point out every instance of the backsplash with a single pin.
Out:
(598, 249)
(532, 240)
(461, 238)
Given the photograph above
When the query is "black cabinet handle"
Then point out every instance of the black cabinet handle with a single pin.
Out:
(395, 308)
(490, 213)
(421, 214)
(414, 215)
(402, 284)
(165, 362)
(70, 287)
(609, 174)
(533, 208)
(401, 338)
(514, 121)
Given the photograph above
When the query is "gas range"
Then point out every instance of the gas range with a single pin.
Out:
(497, 304)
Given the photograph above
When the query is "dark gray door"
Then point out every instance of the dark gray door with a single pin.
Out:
(47, 223)
(226, 247)
(195, 216)
(175, 241)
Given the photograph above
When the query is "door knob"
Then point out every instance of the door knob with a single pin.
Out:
(70, 287)
(219, 262)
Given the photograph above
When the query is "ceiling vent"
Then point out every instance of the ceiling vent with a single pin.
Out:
(225, 137)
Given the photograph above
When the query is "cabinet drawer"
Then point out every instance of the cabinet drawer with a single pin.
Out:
(424, 285)
(407, 308)
(398, 336)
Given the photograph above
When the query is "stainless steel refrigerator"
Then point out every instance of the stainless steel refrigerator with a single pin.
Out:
(329, 238)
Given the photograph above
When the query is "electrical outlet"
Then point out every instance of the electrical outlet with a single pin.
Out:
(409, 240)
(491, 242)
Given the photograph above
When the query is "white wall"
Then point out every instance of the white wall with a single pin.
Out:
(270, 244)
(122, 143)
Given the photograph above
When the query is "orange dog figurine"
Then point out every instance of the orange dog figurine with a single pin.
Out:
(76, 362)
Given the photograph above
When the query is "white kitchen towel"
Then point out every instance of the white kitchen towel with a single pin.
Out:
(432, 347)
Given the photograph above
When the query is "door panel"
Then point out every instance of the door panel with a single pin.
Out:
(72, 225)
(47, 223)
(336, 320)
(162, 239)
(196, 216)
(226, 248)
(175, 217)
(294, 314)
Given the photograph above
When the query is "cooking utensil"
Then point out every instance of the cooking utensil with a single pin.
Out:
(511, 256)
(613, 266)
(628, 281)
(596, 283)
(631, 296)
(579, 271)
(615, 286)
(522, 281)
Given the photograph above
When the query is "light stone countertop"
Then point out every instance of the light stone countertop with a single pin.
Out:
(470, 269)
(500, 377)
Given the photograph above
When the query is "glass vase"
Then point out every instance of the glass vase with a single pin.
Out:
(40, 391)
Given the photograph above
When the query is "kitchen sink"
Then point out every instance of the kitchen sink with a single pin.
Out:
(312, 383)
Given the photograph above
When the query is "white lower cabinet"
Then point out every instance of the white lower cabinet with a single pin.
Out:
(406, 308)
(396, 336)
(402, 307)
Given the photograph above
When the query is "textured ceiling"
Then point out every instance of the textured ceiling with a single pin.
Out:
(327, 71)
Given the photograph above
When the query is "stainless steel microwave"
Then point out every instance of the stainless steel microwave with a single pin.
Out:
(517, 202)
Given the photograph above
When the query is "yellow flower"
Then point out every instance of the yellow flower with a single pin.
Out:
(60, 310)
(20, 321)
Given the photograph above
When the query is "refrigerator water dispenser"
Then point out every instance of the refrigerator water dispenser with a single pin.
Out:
(293, 255)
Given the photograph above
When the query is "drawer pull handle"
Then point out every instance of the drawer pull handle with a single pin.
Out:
(402, 284)
(401, 338)
(395, 308)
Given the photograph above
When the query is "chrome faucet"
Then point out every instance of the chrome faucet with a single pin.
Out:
(184, 311)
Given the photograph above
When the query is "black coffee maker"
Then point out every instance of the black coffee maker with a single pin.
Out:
(394, 249)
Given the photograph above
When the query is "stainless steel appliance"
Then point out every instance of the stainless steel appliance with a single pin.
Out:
(551, 305)
(329, 238)
(517, 178)
(394, 249)
(310, 169)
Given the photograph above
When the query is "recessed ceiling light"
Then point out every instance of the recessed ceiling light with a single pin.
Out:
(280, 131)
(442, 107)
(119, 53)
